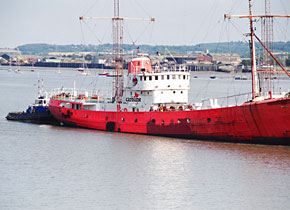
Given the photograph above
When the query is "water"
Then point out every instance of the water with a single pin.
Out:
(46, 167)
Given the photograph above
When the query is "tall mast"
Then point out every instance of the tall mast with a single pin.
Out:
(255, 84)
(118, 52)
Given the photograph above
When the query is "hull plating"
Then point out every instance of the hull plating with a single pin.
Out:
(266, 122)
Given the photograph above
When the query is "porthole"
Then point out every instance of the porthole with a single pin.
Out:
(208, 120)
(153, 121)
(136, 120)
(172, 122)
(123, 119)
(174, 92)
(162, 122)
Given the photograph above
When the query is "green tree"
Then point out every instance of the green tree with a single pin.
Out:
(246, 62)
(88, 57)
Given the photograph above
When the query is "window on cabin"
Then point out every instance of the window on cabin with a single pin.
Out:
(131, 93)
(173, 76)
(179, 76)
(145, 78)
(168, 77)
(150, 77)
(156, 77)
(181, 92)
(162, 77)
(174, 92)
(183, 76)
(141, 78)
(187, 77)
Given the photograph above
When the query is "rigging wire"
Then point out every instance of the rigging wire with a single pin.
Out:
(91, 7)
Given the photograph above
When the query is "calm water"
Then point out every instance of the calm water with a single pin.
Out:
(45, 167)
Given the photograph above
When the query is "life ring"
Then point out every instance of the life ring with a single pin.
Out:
(125, 109)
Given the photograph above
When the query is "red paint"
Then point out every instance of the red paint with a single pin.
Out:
(268, 120)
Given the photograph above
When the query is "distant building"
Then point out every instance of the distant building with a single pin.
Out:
(226, 58)
(204, 58)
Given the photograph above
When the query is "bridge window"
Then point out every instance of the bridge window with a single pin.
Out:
(76, 106)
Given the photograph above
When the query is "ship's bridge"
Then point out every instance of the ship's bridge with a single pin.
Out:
(154, 86)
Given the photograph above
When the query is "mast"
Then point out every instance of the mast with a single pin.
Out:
(117, 30)
(255, 84)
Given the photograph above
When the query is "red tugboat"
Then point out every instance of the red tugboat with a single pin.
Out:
(154, 101)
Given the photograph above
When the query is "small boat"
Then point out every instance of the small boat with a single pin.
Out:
(85, 73)
(113, 75)
(81, 69)
(104, 74)
(241, 78)
(38, 112)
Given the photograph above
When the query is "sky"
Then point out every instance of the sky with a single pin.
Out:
(178, 22)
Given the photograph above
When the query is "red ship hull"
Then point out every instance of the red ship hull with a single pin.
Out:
(266, 122)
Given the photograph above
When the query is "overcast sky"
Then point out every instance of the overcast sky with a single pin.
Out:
(178, 22)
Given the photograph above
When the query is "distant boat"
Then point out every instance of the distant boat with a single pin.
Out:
(104, 74)
(81, 69)
(241, 78)
(18, 71)
(85, 73)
